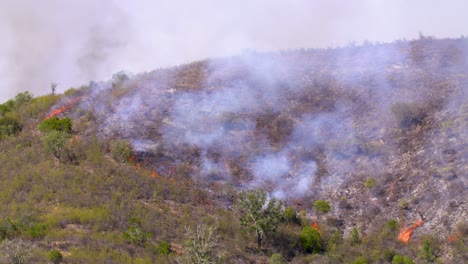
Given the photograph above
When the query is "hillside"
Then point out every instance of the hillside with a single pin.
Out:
(377, 131)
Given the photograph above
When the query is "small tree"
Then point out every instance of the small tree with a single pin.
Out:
(55, 141)
(321, 206)
(426, 251)
(311, 240)
(290, 215)
(135, 233)
(56, 124)
(257, 214)
(53, 87)
(121, 151)
(55, 256)
(201, 244)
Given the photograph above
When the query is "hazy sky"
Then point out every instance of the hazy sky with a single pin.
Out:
(74, 41)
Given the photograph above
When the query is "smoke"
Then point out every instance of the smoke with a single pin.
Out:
(74, 42)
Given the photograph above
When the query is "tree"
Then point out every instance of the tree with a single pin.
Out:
(200, 245)
(121, 151)
(321, 206)
(56, 124)
(311, 240)
(135, 233)
(54, 141)
(259, 214)
(53, 87)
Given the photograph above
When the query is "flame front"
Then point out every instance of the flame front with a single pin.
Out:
(405, 234)
(64, 108)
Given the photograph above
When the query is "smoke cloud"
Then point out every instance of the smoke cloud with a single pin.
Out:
(74, 42)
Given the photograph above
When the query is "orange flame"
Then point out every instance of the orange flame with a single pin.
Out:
(405, 234)
(154, 175)
(453, 238)
(315, 226)
(68, 105)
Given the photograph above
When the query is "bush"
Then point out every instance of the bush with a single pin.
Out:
(290, 215)
(355, 238)
(55, 256)
(276, 259)
(56, 124)
(135, 234)
(121, 151)
(310, 240)
(426, 251)
(360, 260)
(370, 183)
(36, 230)
(55, 141)
(9, 126)
(321, 206)
(397, 259)
(163, 248)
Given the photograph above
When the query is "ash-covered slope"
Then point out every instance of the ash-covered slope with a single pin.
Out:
(379, 130)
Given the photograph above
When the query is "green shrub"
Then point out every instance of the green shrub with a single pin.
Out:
(310, 240)
(321, 206)
(9, 126)
(121, 151)
(36, 230)
(8, 229)
(135, 234)
(276, 259)
(56, 124)
(355, 238)
(397, 259)
(392, 225)
(290, 215)
(163, 248)
(55, 256)
(388, 254)
(426, 251)
(370, 183)
(360, 260)
(55, 141)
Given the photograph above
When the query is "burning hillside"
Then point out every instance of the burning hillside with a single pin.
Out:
(308, 124)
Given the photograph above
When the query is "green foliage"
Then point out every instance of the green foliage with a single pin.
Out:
(392, 225)
(121, 151)
(8, 229)
(55, 141)
(370, 183)
(9, 126)
(23, 98)
(360, 260)
(276, 258)
(163, 248)
(355, 237)
(290, 215)
(321, 206)
(135, 234)
(388, 254)
(257, 214)
(55, 256)
(36, 230)
(311, 240)
(56, 124)
(426, 251)
(398, 259)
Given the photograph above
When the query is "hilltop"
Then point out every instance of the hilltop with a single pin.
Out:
(376, 131)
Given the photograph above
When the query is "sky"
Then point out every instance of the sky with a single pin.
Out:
(75, 41)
